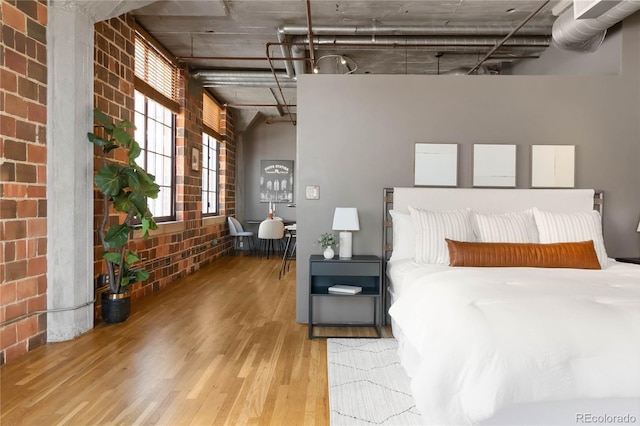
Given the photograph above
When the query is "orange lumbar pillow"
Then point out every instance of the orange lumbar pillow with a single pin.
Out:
(578, 255)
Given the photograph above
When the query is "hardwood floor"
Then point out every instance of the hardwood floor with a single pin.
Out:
(221, 347)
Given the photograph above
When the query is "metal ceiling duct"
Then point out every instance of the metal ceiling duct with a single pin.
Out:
(448, 39)
(586, 35)
(458, 38)
(444, 42)
(450, 43)
(221, 78)
(415, 30)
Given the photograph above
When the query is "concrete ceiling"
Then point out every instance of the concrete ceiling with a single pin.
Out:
(195, 30)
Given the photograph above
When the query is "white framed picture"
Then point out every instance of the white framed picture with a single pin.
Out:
(553, 166)
(436, 164)
(494, 165)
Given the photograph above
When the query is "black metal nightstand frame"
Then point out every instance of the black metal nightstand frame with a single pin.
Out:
(364, 271)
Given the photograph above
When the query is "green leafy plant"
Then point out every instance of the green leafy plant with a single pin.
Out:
(327, 240)
(126, 187)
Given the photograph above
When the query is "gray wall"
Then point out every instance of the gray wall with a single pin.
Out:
(265, 142)
(356, 136)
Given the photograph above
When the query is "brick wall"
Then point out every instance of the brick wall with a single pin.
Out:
(113, 94)
(171, 253)
(180, 248)
(23, 227)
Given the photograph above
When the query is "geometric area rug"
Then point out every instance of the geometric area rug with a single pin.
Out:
(367, 384)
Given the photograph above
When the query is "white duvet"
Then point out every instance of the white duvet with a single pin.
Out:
(488, 338)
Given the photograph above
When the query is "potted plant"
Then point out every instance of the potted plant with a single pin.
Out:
(125, 188)
(326, 241)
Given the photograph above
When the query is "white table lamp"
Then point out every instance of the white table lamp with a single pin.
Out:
(345, 219)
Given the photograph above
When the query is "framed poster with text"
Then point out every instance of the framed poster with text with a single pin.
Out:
(276, 181)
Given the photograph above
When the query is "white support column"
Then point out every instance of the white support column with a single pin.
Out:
(69, 170)
(70, 49)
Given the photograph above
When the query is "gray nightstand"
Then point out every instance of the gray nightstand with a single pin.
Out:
(635, 260)
(361, 271)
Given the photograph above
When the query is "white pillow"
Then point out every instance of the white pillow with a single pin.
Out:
(512, 227)
(404, 236)
(571, 227)
(432, 227)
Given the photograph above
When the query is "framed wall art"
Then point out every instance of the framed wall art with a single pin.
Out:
(494, 165)
(436, 164)
(553, 166)
(276, 181)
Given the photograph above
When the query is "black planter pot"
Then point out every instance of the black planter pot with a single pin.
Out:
(116, 307)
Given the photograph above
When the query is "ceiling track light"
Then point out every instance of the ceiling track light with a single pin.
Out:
(341, 60)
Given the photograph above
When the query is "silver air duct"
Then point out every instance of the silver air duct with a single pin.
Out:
(446, 42)
(415, 30)
(586, 35)
(221, 78)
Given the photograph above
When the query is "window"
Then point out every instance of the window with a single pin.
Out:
(155, 132)
(211, 113)
(209, 175)
(156, 106)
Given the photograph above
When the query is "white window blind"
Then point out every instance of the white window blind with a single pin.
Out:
(211, 113)
(155, 70)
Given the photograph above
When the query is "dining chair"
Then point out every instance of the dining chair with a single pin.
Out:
(289, 249)
(238, 233)
(270, 234)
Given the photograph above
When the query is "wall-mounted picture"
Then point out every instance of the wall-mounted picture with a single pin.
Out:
(195, 159)
(553, 166)
(494, 165)
(436, 164)
(276, 181)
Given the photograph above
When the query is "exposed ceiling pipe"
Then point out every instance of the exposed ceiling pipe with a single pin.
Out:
(221, 78)
(471, 30)
(257, 105)
(221, 58)
(275, 76)
(310, 35)
(235, 74)
(286, 53)
(275, 97)
(421, 41)
(246, 83)
(586, 35)
(509, 37)
(413, 31)
(299, 66)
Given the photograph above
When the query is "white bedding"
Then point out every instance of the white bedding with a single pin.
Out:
(478, 340)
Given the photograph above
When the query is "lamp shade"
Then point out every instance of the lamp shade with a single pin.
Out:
(638, 227)
(346, 219)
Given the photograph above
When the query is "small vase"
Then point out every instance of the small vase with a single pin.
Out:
(328, 253)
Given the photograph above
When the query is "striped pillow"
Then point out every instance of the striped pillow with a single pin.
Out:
(432, 227)
(571, 227)
(513, 227)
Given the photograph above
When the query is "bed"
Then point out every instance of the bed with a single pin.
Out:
(512, 345)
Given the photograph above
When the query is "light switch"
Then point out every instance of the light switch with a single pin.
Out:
(312, 192)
